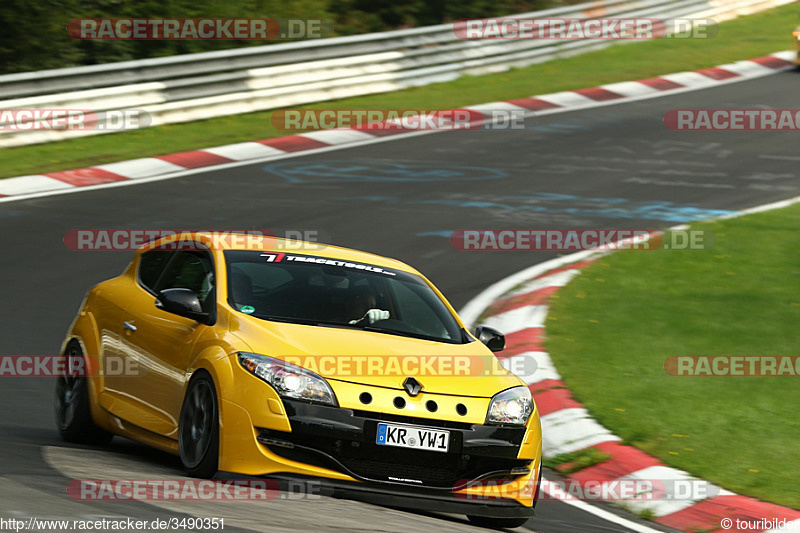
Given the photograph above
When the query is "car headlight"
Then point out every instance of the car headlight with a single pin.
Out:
(291, 381)
(512, 406)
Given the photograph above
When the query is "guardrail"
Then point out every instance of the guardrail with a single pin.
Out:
(213, 84)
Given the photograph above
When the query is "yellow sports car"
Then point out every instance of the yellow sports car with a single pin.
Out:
(797, 45)
(268, 357)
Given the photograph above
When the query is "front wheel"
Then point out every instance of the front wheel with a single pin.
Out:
(497, 523)
(72, 402)
(198, 432)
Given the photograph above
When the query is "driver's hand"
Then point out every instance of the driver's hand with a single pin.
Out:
(373, 315)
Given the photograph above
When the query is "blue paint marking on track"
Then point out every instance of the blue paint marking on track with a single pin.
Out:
(552, 203)
(439, 233)
(376, 171)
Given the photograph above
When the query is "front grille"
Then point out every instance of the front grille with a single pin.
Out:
(430, 422)
(366, 460)
(433, 469)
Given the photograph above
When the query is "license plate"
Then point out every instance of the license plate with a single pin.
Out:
(418, 438)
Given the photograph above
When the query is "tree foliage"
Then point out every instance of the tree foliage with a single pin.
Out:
(34, 35)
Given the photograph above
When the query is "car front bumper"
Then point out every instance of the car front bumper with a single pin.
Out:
(480, 474)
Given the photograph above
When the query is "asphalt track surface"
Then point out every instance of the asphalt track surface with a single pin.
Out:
(608, 167)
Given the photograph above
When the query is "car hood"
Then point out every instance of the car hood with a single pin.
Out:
(379, 359)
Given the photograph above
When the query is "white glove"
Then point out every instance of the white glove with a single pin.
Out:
(373, 315)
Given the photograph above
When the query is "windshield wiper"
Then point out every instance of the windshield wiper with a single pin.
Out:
(331, 323)
(305, 321)
(405, 334)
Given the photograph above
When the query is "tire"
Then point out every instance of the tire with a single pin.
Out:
(497, 523)
(72, 404)
(198, 431)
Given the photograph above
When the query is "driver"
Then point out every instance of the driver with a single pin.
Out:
(362, 307)
(196, 276)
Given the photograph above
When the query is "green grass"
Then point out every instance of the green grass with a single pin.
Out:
(613, 327)
(647, 514)
(743, 38)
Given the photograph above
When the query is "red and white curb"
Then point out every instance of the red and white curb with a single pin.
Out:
(518, 306)
(176, 165)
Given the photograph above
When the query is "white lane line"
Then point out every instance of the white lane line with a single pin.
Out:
(556, 492)
(289, 510)
(762, 208)
(781, 157)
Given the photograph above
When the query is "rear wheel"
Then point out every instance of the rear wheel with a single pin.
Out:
(198, 433)
(72, 402)
(497, 523)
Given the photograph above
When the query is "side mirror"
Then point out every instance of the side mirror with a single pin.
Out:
(182, 302)
(492, 338)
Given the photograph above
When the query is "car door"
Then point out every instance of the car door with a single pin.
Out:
(161, 344)
(115, 328)
(108, 311)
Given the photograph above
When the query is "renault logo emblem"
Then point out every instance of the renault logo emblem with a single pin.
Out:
(412, 386)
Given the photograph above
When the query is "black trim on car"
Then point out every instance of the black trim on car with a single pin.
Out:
(417, 500)
(344, 440)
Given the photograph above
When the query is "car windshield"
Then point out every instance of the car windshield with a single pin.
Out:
(317, 291)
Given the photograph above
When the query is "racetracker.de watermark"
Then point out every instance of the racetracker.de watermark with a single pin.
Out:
(181, 239)
(389, 120)
(73, 119)
(401, 366)
(733, 365)
(733, 119)
(570, 29)
(641, 490)
(568, 240)
(209, 29)
(190, 490)
(61, 366)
